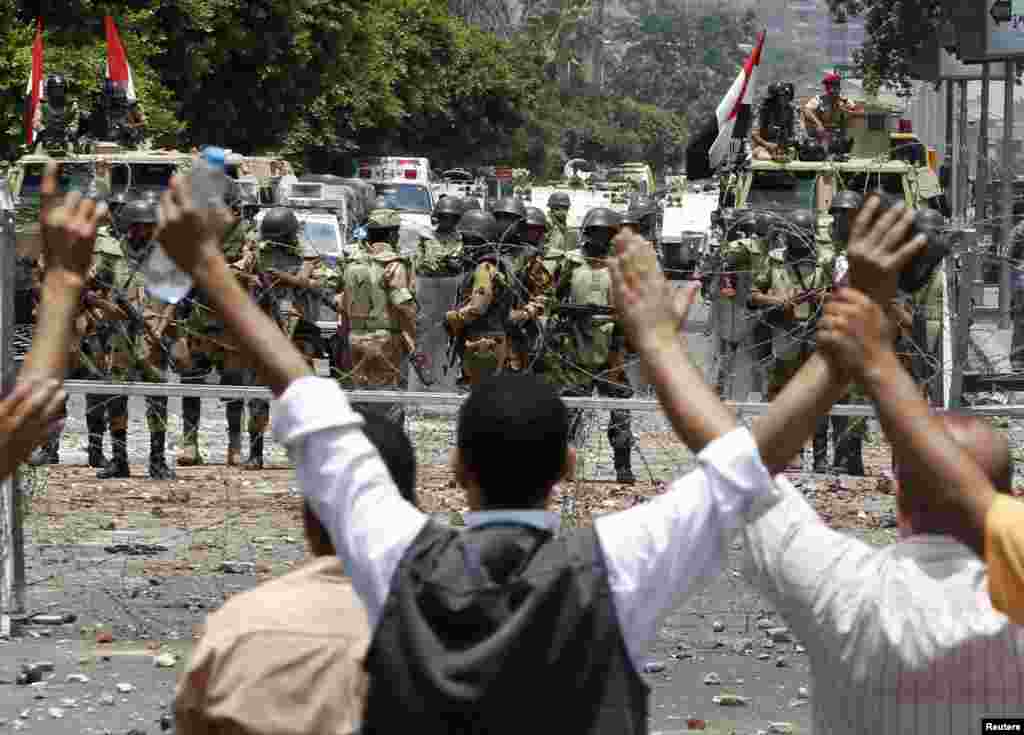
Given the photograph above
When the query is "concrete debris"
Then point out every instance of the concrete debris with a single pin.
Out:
(654, 667)
(765, 623)
(800, 649)
(107, 699)
(55, 712)
(77, 679)
(125, 687)
(712, 679)
(165, 660)
(763, 656)
(730, 700)
(44, 666)
(743, 645)
(794, 703)
(238, 567)
(803, 693)
(781, 662)
(68, 702)
(780, 635)
(718, 626)
(781, 728)
(51, 619)
(25, 714)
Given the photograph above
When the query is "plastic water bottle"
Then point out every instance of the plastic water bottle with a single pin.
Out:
(209, 185)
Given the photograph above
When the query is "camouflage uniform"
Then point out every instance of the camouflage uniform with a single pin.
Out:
(204, 343)
(379, 306)
(534, 286)
(744, 258)
(439, 255)
(594, 347)
(136, 355)
(485, 296)
(927, 307)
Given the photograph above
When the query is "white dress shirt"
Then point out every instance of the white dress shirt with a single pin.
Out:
(655, 553)
(902, 639)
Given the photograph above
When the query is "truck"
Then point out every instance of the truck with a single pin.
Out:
(405, 184)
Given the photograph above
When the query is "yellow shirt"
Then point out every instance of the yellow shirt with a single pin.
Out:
(1004, 554)
(283, 658)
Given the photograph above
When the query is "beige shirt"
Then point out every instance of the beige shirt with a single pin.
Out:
(285, 657)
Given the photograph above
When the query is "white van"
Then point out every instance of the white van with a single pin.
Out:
(394, 169)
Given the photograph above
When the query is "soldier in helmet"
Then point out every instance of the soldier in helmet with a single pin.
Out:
(439, 255)
(378, 304)
(742, 254)
(558, 213)
(478, 325)
(56, 118)
(926, 306)
(792, 286)
(534, 280)
(642, 218)
(594, 349)
(510, 218)
(140, 339)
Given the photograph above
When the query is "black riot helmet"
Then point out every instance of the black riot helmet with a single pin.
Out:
(509, 206)
(766, 222)
(846, 199)
(558, 200)
(844, 206)
(138, 212)
(802, 219)
(478, 226)
(599, 227)
(745, 222)
(535, 217)
(451, 205)
(279, 224)
(800, 233)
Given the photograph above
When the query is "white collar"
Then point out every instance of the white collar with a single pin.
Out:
(545, 520)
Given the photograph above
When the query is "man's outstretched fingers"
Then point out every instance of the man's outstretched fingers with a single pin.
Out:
(897, 234)
(865, 218)
(906, 252)
(885, 224)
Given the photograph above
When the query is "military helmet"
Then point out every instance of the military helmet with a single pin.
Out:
(279, 223)
(509, 205)
(449, 205)
(383, 219)
(765, 222)
(56, 83)
(559, 199)
(138, 212)
(479, 224)
(601, 217)
(472, 204)
(846, 199)
(536, 217)
(802, 219)
(744, 220)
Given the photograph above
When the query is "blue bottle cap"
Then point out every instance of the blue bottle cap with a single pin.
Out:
(214, 156)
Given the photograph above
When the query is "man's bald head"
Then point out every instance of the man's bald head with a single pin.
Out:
(990, 450)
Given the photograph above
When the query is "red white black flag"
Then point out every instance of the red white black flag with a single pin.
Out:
(734, 112)
(34, 89)
(118, 71)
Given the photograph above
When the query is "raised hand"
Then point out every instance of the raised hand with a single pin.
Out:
(880, 247)
(855, 331)
(27, 416)
(68, 227)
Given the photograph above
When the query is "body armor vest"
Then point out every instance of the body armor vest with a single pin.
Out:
(364, 280)
(590, 286)
(492, 323)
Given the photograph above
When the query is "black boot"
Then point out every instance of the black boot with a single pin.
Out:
(820, 447)
(48, 453)
(853, 459)
(96, 423)
(623, 469)
(255, 461)
(118, 465)
(158, 469)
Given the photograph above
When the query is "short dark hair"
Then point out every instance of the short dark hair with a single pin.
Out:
(395, 449)
(513, 436)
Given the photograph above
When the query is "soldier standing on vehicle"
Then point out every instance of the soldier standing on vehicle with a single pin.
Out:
(793, 285)
(139, 345)
(535, 284)
(595, 347)
(558, 213)
(828, 111)
(378, 306)
(439, 255)
(56, 119)
(477, 327)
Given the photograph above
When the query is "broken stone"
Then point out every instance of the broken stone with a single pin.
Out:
(718, 626)
(125, 687)
(25, 714)
(238, 567)
(780, 635)
(45, 667)
(55, 712)
(763, 656)
(803, 693)
(684, 654)
(781, 728)
(712, 679)
(28, 675)
(768, 643)
(765, 623)
(76, 679)
(654, 667)
(47, 619)
(730, 700)
(166, 722)
(794, 703)
(107, 699)
(743, 645)
(800, 649)
(165, 661)
(781, 662)
(68, 702)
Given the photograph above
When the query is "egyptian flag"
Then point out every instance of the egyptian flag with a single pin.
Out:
(34, 90)
(731, 122)
(118, 71)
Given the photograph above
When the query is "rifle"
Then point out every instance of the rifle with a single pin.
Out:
(582, 311)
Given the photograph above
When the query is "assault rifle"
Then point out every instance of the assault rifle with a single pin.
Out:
(583, 311)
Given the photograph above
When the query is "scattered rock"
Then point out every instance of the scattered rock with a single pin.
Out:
(125, 687)
(165, 661)
(77, 679)
(55, 712)
(803, 693)
(654, 667)
(68, 702)
(712, 679)
(800, 649)
(135, 731)
(794, 703)
(47, 620)
(238, 567)
(781, 728)
(781, 662)
(107, 699)
(104, 636)
(25, 714)
(780, 635)
(768, 643)
(765, 623)
(743, 645)
(763, 656)
(694, 724)
(45, 667)
(166, 722)
(718, 626)
(730, 700)
(28, 675)
(684, 654)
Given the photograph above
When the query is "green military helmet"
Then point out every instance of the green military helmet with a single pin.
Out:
(510, 206)
(846, 199)
(535, 217)
(138, 212)
(451, 205)
(558, 199)
(802, 219)
(477, 224)
(279, 224)
(383, 219)
(601, 217)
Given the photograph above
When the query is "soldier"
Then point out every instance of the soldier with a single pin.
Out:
(596, 346)
(742, 255)
(138, 348)
(535, 272)
(558, 212)
(439, 255)
(829, 111)
(510, 218)
(55, 120)
(204, 344)
(378, 305)
(642, 218)
(926, 314)
(793, 284)
(477, 326)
